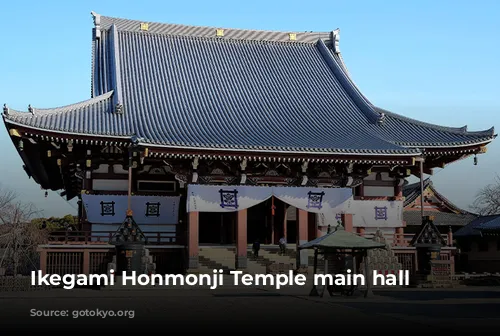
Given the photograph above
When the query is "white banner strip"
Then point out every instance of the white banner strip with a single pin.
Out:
(111, 209)
(367, 214)
(234, 198)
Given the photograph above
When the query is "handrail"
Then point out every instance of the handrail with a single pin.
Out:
(401, 239)
(104, 237)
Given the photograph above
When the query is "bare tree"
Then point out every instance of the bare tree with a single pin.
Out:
(19, 237)
(487, 200)
(6, 197)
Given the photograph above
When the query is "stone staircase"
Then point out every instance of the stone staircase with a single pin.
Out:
(211, 258)
(257, 265)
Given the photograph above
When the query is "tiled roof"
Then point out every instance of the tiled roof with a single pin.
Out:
(414, 218)
(493, 224)
(457, 216)
(182, 86)
(472, 229)
(412, 191)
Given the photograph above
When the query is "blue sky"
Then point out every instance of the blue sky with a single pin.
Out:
(436, 61)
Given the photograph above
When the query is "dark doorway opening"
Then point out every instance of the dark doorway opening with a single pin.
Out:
(217, 228)
(264, 224)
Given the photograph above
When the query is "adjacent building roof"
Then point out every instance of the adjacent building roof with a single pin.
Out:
(207, 88)
(474, 228)
(492, 225)
(341, 239)
(449, 214)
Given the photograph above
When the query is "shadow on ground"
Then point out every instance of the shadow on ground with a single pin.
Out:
(439, 294)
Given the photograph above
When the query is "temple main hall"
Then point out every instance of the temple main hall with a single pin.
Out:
(213, 138)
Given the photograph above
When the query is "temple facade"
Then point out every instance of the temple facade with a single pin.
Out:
(213, 136)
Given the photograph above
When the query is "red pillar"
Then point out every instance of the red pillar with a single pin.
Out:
(86, 262)
(241, 241)
(347, 222)
(319, 232)
(400, 237)
(302, 225)
(43, 261)
(193, 240)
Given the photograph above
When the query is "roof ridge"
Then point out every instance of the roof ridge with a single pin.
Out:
(448, 202)
(61, 109)
(346, 82)
(214, 38)
(102, 22)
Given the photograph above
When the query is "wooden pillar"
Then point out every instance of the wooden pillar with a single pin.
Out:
(193, 240)
(319, 232)
(43, 261)
(347, 222)
(400, 237)
(241, 242)
(450, 237)
(86, 262)
(285, 222)
(302, 226)
(368, 276)
(398, 189)
(312, 226)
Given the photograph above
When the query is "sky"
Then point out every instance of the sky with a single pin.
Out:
(435, 61)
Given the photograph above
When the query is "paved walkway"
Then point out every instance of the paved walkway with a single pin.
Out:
(283, 310)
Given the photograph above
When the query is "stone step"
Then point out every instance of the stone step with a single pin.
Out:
(220, 258)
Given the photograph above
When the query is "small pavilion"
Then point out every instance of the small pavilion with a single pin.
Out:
(341, 242)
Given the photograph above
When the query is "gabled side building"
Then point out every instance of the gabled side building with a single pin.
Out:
(479, 244)
(448, 217)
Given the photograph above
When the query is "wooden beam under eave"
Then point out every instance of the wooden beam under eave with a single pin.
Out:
(14, 132)
(416, 172)
(483, 149)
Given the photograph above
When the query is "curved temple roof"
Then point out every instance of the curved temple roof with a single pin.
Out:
(201, 87)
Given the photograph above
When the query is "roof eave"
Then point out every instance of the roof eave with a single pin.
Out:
(225, 149)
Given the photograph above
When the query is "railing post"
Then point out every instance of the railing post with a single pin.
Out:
(86, 262)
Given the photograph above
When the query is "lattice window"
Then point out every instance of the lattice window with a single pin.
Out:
(64, 263)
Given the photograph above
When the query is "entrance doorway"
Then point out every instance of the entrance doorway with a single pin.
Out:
(217, 228)
(263, 224)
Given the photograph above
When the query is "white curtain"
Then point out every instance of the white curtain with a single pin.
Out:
(233, 198)
(111, 209)
(316, 200)
(376, 214)
(225, 198)
(325, 220)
